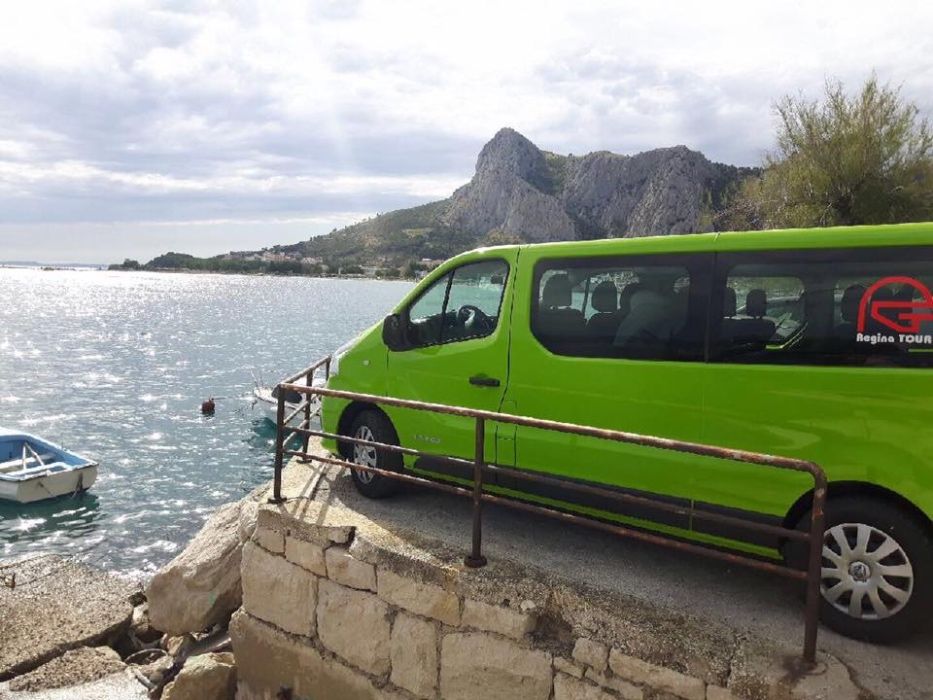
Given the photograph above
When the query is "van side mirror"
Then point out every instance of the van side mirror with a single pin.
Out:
(393, 332)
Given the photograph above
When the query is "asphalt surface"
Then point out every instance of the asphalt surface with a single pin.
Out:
(747, 600)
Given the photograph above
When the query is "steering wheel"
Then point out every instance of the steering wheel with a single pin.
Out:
(473, 318)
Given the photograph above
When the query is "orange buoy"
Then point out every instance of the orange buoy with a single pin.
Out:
(207, 408)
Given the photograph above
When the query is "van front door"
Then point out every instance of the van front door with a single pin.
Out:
(457, 354)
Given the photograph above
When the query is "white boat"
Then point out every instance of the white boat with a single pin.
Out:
(33, 469)
(269, 395)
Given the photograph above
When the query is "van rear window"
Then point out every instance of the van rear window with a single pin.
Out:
(858, 306)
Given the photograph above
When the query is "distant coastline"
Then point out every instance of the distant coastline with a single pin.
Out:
(278, 264)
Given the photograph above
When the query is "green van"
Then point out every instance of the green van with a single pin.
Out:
(813, 344)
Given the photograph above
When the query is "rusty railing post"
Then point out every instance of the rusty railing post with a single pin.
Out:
(476, 559)
(279, 449)
(814, 568)
(309, 379)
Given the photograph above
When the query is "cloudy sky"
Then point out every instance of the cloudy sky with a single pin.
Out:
(131, 128)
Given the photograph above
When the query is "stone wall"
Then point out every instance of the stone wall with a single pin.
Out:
(327, 615)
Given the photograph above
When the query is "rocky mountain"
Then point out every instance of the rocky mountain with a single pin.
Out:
(521, 193)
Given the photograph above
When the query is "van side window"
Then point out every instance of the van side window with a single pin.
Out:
(642, 307)
(461, 305)
(760, 309)
(837, 307)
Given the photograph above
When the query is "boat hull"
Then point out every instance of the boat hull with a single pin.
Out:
(42, 487)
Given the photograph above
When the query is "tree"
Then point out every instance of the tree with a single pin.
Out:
(861, 159)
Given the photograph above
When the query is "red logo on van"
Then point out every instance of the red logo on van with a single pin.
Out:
(900, 316)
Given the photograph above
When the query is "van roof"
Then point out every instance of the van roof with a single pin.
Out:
(913, 234)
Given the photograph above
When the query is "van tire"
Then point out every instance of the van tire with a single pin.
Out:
(374, 425)
(883, 524)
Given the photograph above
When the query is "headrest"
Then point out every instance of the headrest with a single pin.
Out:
(756, 303)
(605, 297)
(728, 303)
(849, 304)
(625, 297)
(557, 291)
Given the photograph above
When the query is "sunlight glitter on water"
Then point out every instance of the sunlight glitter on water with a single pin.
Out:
(152, 347)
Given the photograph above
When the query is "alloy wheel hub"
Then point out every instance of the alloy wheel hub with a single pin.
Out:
(859, 571)
(865, 572)
(364, 454)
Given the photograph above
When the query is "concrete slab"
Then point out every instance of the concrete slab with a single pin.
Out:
(659, 585)
(57, 605)
(119, 686)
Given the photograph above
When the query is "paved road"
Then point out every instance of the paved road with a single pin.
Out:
(745, 599)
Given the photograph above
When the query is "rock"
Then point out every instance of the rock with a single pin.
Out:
(58, 605)
(204, 677)
(277, 591)
(568, 666)
(140, 626)
(520, 193)
(269, 660)
(567, 688)
(354, 625)
(74, 667)
(178, 646)
(420, 598)
(496, 618)
(155, 671)
(249, 509)
(307, 555)
(591, 653)
(201, 586)
(659, 677)
(414, 655)
(504, 670)
(348, 571)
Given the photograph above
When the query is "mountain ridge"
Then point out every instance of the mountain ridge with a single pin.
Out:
(521, 193)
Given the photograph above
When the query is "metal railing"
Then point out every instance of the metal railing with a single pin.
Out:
(813, 538)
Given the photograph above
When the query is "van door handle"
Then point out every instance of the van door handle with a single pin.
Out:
(483, 380)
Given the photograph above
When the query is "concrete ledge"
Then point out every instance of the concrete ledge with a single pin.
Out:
(436, 629)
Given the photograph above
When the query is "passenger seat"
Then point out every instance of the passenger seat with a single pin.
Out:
(605, 322)
(557, 321)
(848, 309)
(754, 329)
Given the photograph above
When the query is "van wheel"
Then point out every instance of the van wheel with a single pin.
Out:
(877, 569)
(376, 427)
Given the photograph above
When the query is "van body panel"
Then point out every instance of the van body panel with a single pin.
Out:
(862, 424)
(442, 374)
(859, 424)
(362, 370)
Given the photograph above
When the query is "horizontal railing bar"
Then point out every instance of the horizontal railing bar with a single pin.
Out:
(380, 445)
(307, 371)
(569, 517)
(652, 503)
(572, 428)
(449, 488)
(539, 477)
(650, 538)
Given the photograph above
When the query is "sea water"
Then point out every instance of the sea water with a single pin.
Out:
(115, 365)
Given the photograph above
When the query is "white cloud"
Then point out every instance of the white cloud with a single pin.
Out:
(281, 110)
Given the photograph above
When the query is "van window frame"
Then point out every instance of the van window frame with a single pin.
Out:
(699, 265)
(726, 261)
(449, 274)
